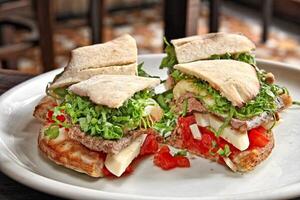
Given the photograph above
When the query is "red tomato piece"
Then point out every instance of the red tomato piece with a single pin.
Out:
(164, 149)
(165, 160)
(106, 172)
(61, 118)
(150, 145)
(182, 161)
(257, 137)
(50, 114)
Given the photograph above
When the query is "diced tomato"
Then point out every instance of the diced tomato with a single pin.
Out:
(50, 114)
(208, 145)
(257, 137)
(106, 172)
(164, 149)
(61, 118)
(164, 159)
(182, 161)
(129, 170)
(150, 145)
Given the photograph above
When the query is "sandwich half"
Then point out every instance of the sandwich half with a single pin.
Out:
(227, 110)
(212, 46)
(100, 124)
(118, 56)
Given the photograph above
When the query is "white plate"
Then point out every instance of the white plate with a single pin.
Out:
(277, 177)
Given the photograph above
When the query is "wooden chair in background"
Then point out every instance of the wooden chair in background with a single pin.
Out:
(41, 30)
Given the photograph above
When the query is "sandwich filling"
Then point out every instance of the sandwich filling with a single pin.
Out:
(102, 121)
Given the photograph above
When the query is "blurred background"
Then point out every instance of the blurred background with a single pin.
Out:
(38, 35)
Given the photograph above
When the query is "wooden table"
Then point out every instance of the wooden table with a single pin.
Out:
(10, 189)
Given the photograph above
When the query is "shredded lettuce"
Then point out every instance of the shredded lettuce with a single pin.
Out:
(224, 152)
(243, 57)
(167, 124)
(109, 123)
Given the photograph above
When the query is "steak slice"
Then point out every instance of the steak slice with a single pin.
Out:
(192, 104)
(99, 144)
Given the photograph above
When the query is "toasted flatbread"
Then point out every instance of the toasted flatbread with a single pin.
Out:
(200, 47)
(112, 90)
(71, 154)
(118, 56)
(237, 81)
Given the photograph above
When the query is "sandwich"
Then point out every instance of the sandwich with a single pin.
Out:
(212, 46)
(100, 125)
(227, 110)
(118, 56)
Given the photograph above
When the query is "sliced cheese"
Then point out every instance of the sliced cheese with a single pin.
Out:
(117, 163)
(230, 164)
(195, 131)
(202, 119)
(237, 139)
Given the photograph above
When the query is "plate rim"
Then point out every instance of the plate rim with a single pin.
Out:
(66, 190)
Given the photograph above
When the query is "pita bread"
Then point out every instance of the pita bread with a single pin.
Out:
(200, 47)
(118, 56)
(112, 90)
(237, 81)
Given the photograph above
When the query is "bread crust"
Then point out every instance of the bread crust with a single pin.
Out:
(71, 154)
(41, 110)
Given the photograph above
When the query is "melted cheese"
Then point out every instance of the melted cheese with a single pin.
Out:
(117, 163)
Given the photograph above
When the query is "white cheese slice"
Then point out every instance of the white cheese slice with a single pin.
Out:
(237, 139)
(117, 163)
(230, 164)
(202, 119)
(195, 131)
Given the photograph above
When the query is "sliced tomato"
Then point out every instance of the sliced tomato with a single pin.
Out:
(150, 145)
(258, 138)
(182, 161)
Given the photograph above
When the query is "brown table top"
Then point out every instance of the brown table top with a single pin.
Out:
(10, 189)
